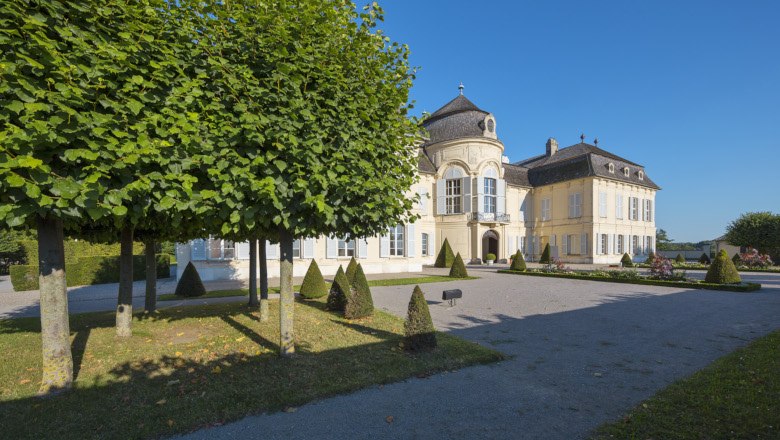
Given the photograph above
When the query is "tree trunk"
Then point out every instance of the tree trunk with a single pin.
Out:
(150, 301)
(253, 302)
(263, 282)
(55, 329)
(286, 295)
(124, 308)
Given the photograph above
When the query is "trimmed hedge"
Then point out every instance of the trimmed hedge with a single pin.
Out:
(722, 270)
(704, 259)
(518, 262)
(418, 327)
(626, 261)
(458, 269)
(190, 284)
(650, 258)
(313, 285)
(359, 301)
(744, 287)
(446, 257)
(351, 270)
(679, 258)
(89, 270)
(337, 297)
(78, 249)
(545, 258)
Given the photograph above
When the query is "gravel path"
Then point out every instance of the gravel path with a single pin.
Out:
(582, 353)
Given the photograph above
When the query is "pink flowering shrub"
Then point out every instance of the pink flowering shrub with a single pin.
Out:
(662, 268)
(752, 258)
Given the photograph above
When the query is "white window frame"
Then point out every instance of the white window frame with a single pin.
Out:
(226, 249)
(634, 207)
(626, 171)
(453, 196)
(575, 205)
(297, 247)
(396, 235)
(490, 195)
(603, 244)
(424, 241)
(570, 245)
(641, 175)
(612, 168)
(635, 244)
(603, 204)
(648, 210)
(346, 248)
(546, 209)
(620, 244)
(619, 207)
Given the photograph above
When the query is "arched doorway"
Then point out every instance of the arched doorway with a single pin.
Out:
(489, 244)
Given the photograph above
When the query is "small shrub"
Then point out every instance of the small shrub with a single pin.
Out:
(313, 285)
(458, 269)
(190, 283)
(351, 270)
(626, 261)
(650, 258)
(704, 259)
(445, 257)
(753, 259)
(490, 257)
(624, 274)
(518, 262)
(419, 330)
(337, 297)
(545, 258)
(736, 259)
(679, 259)
(722, 270)
(359, 301)
(661, 268)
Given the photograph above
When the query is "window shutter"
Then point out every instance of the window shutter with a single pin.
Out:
(465, 187)
(522, 209)
(271, 251)
(242, 250)
(308, 248)
(410, 234)
(500, 196)
(627, 246)
(511, 244)
(362, 248)
(384, 246)
(584, 244)
(198, 250)
(480, 192)
(331, 247)
(520, 244)
(441, 191)
(565, 244)
(431, 242)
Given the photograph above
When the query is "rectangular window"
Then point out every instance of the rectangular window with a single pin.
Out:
(490, 195)
(571, 248)
(648, 210)
(545, 209)
(604, 244)
(396, 241)
(228, 250)
(620, 244)
(634, 215)
(635, 244)
(602, 204)
(346, 248)
(297, 248)
(221, 249)
(575, 205)
(619, 207)
(424, 245)
(453, 196)
(649, 244)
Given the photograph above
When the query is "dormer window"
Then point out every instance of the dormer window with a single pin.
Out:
(612, 168)
(491, 126)
(626, 171)
(641, 175)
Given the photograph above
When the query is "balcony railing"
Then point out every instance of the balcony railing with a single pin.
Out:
(489, 217)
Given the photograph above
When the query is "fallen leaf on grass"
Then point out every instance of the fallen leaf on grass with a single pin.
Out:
(161, 402)
(389, 419)
(24, 381)
(170, 422)
(180, 334)
(178, 353)
(216, 370)
(240, 339)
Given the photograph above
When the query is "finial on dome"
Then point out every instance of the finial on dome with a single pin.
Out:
(582, 137)
(596, 142)
(460, 88)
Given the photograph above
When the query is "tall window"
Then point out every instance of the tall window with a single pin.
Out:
(424, 242)
(619, 207)
(397, 241)
(604, 244)
(545, 209)
(649, 244)
(490, 195)
(634, 215)
(297, 248)
(620, 249)
(575, 205)
(453, 196)
(219, 249)
(602, 204)
(572, 250)
(346, 248)
(648, 210)
(635, 244)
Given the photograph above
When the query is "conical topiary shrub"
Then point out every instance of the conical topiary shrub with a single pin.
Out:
(650, 258)
(518, 262)
(420, 334)
(736, 259)
(722, 270)
(190, 283)
(704, 259)
(351, 269)
(626, 261)
(359, 301)
(545, 258)
(458, 269)
(445, 257)
(679, 259)
(337, 297)
(313, 284)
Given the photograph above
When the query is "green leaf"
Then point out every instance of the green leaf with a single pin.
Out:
(134, 106)
(67, 189)
(14, 180)
(119, 210)
(280, 164)
(28, 162)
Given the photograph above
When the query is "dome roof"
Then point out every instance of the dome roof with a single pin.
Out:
(458, 118)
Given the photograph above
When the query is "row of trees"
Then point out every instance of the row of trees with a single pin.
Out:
(158, 120)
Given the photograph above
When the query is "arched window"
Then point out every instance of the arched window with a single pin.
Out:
(641, 175)
(452, 181)
(626, 171)
(612, 168)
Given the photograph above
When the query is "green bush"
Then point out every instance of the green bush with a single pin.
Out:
(722, 270)
(89, 270)
(445, 257)
(704, 259)
(418, 328)
(337, 297)
(190, 283)
(359, 301)
(679, 259)
(351, 270)
(650, 258)
(313, 285)
(518, 262)
(77, 249)
(490, 257)
(545, 258)
(626, 261)
(736, 259)
(458, 269)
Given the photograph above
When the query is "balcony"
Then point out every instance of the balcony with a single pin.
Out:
(489, 217)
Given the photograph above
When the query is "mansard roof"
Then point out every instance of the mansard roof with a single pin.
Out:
(516, 175)
(459, 118)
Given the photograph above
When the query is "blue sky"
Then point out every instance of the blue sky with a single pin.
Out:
(690, 90)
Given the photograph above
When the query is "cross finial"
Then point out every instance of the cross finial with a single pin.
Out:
(582, 137)
(460, 88)
(596, 141)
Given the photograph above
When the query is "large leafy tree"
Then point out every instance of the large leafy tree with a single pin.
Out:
(88, 132)
(306, 103)
(759, 230)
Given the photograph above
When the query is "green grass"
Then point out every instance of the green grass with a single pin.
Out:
(736, 397)
(192, 367)
(371, 283)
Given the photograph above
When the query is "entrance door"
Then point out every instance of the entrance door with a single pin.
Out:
(490, 244)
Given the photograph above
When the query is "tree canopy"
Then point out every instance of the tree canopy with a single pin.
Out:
(759, 230)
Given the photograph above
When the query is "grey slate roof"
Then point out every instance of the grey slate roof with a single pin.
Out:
(516, 175)
(458, 118)
(424, 164)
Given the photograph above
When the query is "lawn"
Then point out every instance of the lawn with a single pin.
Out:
(737, 396)
(371, 283)
(192, 367)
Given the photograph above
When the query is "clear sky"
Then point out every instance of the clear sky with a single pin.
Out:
(689, 89)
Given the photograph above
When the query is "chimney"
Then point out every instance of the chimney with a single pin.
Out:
(552, 146)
